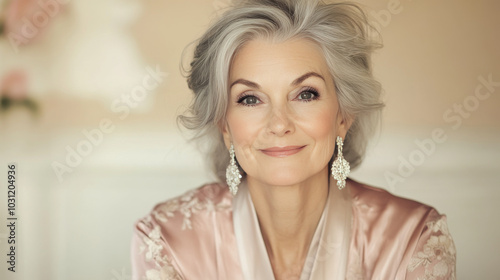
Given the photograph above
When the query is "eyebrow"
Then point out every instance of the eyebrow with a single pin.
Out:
(294, 83)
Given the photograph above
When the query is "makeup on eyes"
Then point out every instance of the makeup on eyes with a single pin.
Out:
(240, 100)
(313, 91)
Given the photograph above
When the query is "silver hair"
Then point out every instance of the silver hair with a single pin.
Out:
(341, 30)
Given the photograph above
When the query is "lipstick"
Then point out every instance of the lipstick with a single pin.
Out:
(282, 151)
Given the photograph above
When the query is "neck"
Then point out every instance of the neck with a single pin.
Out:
(288, 217)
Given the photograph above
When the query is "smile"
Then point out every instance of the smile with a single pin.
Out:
(283, 151)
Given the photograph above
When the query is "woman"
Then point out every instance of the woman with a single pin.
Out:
(286, 87)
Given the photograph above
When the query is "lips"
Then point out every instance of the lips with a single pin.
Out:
(282, 151)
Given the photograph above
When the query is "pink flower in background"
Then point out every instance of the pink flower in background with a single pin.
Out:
(26, 19)
(14, 85)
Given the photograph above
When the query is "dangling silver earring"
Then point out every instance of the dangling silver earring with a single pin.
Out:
(340, 166)
(233, 175)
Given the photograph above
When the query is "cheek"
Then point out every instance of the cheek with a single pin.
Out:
(319, 123)
(244, 126)
(320, 126)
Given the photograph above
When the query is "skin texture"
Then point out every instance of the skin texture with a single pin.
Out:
(272, 104)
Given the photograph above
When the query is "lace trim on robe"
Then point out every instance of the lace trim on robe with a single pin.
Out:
(186, 205)
(436, 258)
(153, 251)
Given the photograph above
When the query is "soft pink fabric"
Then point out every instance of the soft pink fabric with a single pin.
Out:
(208, 234)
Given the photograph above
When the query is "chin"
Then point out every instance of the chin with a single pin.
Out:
(283, 177)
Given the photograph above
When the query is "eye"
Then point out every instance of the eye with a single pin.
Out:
(308, 94)
(249, 100)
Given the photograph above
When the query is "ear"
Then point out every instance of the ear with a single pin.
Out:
(226, 133)
(343, 125)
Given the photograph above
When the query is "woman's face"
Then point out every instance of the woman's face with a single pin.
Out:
(282, 116)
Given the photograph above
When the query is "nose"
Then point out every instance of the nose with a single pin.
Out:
(280, 123)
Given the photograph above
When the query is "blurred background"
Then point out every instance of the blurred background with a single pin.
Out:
(90, 90)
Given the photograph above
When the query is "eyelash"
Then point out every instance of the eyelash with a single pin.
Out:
(306, 90)
(310, 90)
(242, 98)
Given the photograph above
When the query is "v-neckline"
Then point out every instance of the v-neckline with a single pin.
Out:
(330, 240)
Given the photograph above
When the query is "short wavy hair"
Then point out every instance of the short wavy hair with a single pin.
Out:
(341, 30)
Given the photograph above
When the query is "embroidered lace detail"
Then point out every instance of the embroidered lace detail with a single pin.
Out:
(166, 273)
(153, 252)
(438, 255)
(189, 204)
(153, 247)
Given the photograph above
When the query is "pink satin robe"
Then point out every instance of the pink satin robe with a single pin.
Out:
(364, 233)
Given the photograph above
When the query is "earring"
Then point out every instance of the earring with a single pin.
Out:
(340, 166)
(233, 175)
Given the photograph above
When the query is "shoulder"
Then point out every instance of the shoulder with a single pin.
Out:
(396, 218)
(406, 233)
(372, 203)
(182, 210)
(165, 240)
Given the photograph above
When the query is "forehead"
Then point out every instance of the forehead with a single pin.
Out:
(292, 57)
